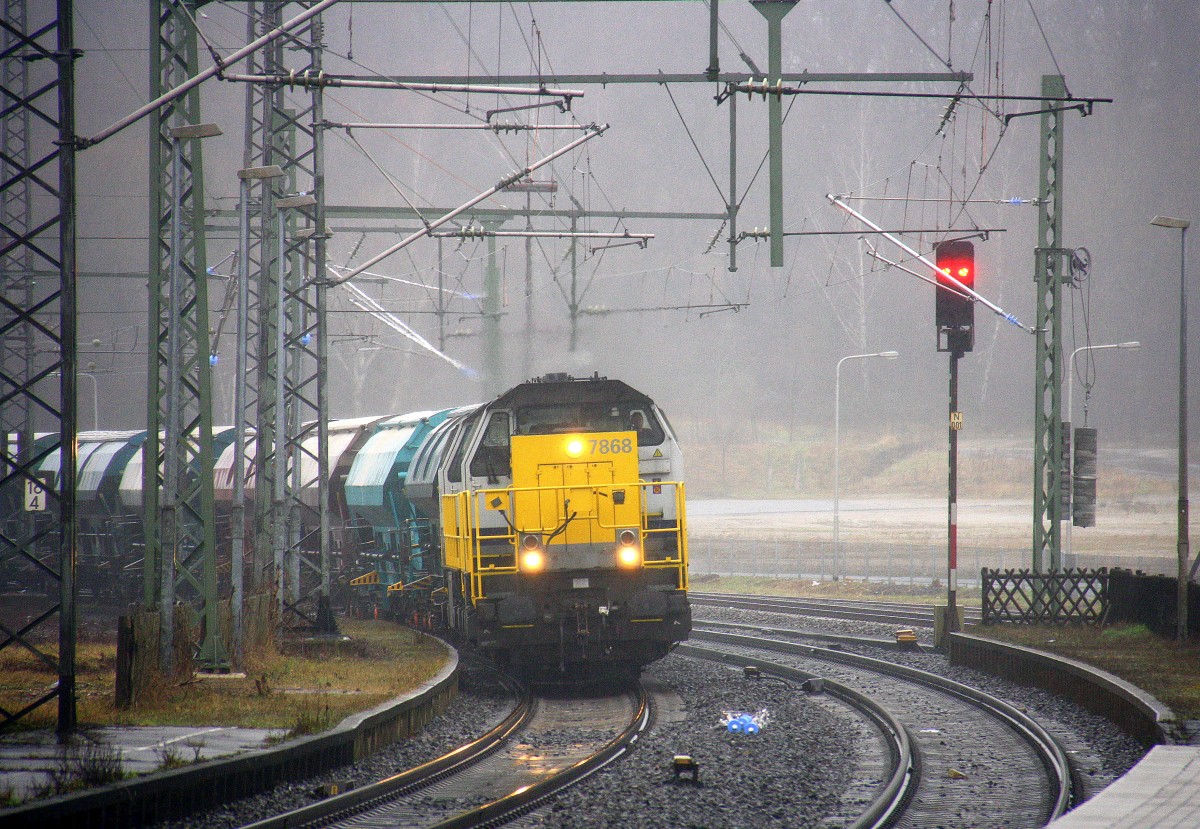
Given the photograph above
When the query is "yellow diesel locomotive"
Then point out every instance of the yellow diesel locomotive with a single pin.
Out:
(562, 525)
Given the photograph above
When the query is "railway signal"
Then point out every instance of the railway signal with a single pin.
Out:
(954, 309)
(954, 316)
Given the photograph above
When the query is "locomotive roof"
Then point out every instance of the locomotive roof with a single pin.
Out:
(561, 388)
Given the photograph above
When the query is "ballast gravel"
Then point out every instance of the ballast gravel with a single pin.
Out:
(790, 774)
(795, 772)
(1099, 751)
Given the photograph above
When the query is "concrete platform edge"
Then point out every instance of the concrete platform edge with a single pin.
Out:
(1137, 712)
(176, 792)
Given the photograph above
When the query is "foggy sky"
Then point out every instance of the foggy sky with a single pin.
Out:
(773, 360)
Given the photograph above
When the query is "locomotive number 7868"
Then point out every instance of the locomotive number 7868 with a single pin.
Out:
(604, 446)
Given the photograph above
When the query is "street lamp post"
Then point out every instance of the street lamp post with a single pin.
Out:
(1071, 413)
(1184, 552)
(95, 397)
(837, 419)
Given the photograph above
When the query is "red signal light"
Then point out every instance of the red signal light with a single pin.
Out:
(954, 308)
(956, 260)
(960, 271)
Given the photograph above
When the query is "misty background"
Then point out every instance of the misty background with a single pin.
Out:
(739, 357)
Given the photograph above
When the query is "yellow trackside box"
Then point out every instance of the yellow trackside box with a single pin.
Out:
(585, 484)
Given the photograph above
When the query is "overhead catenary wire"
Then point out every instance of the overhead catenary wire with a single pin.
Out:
(387, 177)
(692, 139)
(502, 184)
(465, 107)
(308, 79)
(367, 303)
(473, 232)
(1013, 201)
(491, 126)
(900, 243)
(1046, 40)
(443, 98)
(199, 78)
(874, 253)
(401, 281)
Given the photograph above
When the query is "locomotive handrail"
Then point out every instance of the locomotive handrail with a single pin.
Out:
(510, 493)
(465, 542)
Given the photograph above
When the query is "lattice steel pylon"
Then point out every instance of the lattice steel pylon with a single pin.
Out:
(255, 153)
(1049, 276)
(178, 499)
(293, 441)
(37, 342)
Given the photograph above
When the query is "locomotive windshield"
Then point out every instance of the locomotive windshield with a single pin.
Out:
(633, 416)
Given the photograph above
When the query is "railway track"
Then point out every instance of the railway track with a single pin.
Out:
(887, 613)
(977, 760)
(550, 741)
(887, 774)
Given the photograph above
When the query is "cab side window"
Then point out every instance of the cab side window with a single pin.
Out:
(454, 471)
(649, 432)
(493, 458)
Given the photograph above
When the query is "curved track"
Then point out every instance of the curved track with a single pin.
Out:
(886, 778)
(549, 742)
(887, 613)
(980, 762)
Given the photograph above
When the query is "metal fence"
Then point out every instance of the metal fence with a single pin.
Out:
(1057, 597)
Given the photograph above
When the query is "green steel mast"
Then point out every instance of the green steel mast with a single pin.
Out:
(178, 500)
(1049, 276)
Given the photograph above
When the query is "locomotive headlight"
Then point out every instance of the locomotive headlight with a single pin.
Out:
(532, 561)
(531, 542)
(574, 447)
(628, 554)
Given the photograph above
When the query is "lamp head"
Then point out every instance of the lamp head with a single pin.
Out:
(1170, 221)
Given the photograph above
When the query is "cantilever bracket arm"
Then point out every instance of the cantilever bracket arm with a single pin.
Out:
(593, 131)
(1085, 109)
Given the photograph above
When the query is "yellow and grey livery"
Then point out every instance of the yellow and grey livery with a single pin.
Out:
(563, 526)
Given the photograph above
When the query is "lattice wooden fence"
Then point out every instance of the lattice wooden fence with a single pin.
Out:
(1058, 597)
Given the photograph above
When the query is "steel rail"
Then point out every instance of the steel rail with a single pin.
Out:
(525, 800)
(350, 804)
(866, 611)
(355, 801)
(1051, 754)
(905, 772)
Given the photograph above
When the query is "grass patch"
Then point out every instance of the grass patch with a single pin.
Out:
(307, 687)
(1167, 669)
(850, 589)
(170, 757)
(84, 765)
(314, 716)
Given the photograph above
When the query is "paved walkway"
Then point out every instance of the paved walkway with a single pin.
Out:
(27, 761)
(1160, 792)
